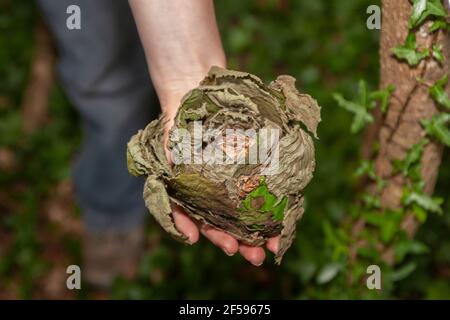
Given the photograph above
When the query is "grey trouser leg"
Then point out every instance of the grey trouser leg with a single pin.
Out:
(102, 69)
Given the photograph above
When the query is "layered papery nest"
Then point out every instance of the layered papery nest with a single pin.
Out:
(243, 152)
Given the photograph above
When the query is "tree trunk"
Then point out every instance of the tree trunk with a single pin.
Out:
(409, 104)
(399, 129)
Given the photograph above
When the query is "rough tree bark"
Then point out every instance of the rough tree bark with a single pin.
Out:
(409, 104)
(400, 128)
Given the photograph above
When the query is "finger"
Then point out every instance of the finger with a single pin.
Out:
(221, 239)
(185, 225)
(273, 244)
(255, 255)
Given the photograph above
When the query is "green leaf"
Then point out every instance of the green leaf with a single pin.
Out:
(374, 218)
(371, 201)
(366, 167)
(328, 272)
(271, 203)
(335, 240)
(438, 127)
(361, 116)
(408, 246)
(388, 222)
(438, 24)
(419, 213)
(422, 9)
(437, 53)
(412, 56)
(383, 96)
(409, 52)
(435, 8)
(419, 7)
(426, 202)
(389, 229)
(391, 226)
(368, 251)
(402, 272)
(438, 93)
(365, 102)
(412, 157)
(362, 93)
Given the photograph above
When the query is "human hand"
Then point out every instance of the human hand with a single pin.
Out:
(226, 242)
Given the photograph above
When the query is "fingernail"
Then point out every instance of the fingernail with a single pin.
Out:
(230, 254)
(189, 241)
(258, 264)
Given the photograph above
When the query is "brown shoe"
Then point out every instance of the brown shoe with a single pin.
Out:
(108, 255)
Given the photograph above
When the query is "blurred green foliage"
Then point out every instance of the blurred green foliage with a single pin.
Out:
(327, 47)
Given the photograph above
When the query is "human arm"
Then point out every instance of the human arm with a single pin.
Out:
(181, 42)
